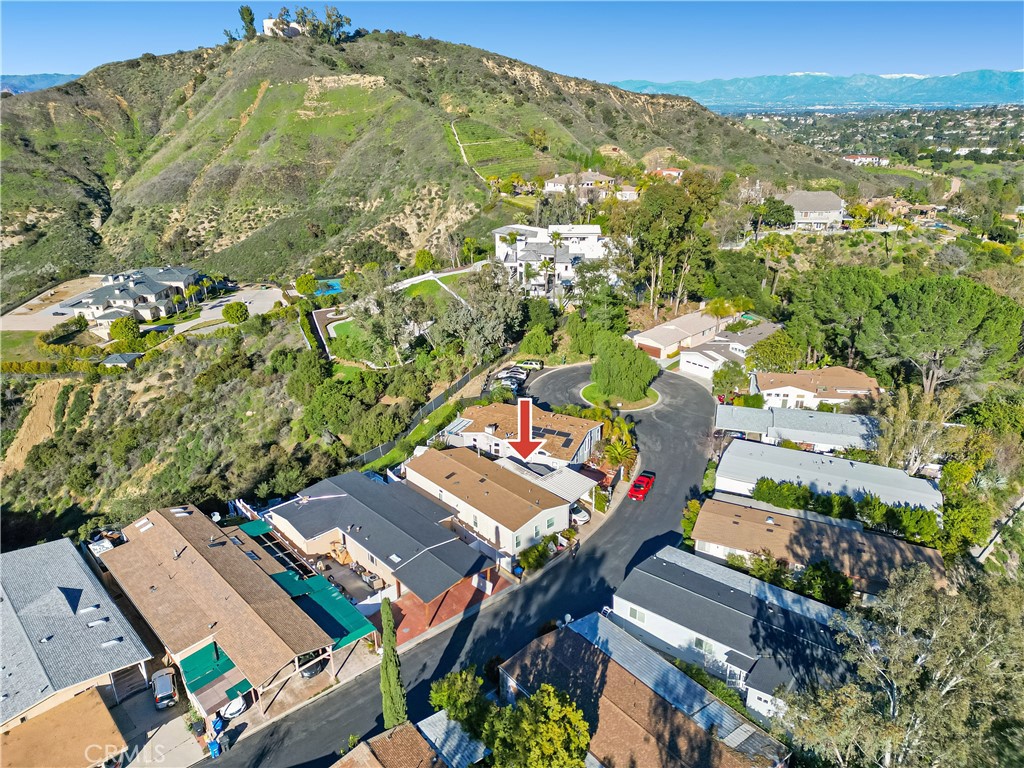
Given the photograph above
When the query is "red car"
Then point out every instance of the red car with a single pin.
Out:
(642, 486)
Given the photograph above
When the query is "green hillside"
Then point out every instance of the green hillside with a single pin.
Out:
(257, 158)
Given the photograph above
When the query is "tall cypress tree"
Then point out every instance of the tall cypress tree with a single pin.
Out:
(392, 692)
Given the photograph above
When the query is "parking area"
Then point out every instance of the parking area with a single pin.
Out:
(514, 375)
(44, 312)
(156, 737)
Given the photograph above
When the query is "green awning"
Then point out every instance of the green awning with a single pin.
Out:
(290, 582)
(336, 616)
(256, 528)
(208, 664)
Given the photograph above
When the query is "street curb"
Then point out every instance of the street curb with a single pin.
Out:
(625, 410)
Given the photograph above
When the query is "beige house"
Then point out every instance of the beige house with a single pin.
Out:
(808, 388)
(504, 509)
(671, 337)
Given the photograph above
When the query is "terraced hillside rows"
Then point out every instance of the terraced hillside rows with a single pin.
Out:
(259, 158)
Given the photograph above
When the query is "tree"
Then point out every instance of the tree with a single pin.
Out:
(425, 261)
(191, 291)
(392, 691)
(947, 329)
(621, 369)
(933, 676)
(248, 22)
(823, 582)
(235, 312)
(460, 694)
(125, 329)
(620, 454)
(778, 353)
(729, 378)
(912, 427)
(545, 730)
(537, 341)
(841, 300)
(307, 284)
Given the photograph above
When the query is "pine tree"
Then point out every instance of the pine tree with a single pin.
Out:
(392, 691)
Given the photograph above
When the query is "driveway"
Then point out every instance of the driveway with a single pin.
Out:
(259, 301)
(674, 437)
(156, 738)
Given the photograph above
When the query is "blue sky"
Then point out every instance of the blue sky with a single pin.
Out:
(599, 40)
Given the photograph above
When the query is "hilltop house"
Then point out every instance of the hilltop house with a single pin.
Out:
(816, 210)
(533, 261)
(668, 339)
(641, 710)
(835, 385)
(147, 294)
(755, 636)
(63, 636)
(744, 463)
(734, 525)
(588, 186)
(862, 160)
(568, 440)
(502, 509)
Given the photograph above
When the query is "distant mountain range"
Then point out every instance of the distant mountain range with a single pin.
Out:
(26, 83)
(817, 90)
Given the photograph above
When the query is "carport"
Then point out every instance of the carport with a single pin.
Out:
(212, 679)
(322, 602)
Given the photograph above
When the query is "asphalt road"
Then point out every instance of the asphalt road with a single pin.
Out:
(674, 436)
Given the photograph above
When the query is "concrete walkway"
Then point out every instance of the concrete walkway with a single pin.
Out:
(156, 738)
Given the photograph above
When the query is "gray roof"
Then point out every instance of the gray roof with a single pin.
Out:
(121, 358)
(800, 425)
(753, 618)
(455, 747)
(396, 524)
(49, 600)
(682, 692)
(567, 484)
(752, 335)
(744, 461)
(803, 200)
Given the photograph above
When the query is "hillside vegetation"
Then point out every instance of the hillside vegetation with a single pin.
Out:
(257, 157)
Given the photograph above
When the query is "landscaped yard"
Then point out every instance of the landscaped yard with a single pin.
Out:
(593, 395)
(19, 346)
(181, 317)
(423, 430)
(426, 289)
(342, 371)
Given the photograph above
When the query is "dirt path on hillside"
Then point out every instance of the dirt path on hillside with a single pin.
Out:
(38, 425)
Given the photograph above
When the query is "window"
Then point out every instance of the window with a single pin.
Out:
(373, 560)
(637, 615)
(704, 646)
(252, 555)
(519, 541)
(475, 523)
(536, 531)
(551, 523)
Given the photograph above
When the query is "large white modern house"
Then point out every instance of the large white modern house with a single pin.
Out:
(533, 260)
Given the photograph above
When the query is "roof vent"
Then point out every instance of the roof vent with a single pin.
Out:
(143, 524)
(98, 622)
(770, 520)
(181, 511)
(46, 639)
(111, 643)
(86, 609)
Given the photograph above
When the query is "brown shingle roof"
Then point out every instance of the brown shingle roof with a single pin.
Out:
(835, 383)
(211, 582)
(505, 417)
(504, 496)
(401, 747)
(630, 724)
(865, 557)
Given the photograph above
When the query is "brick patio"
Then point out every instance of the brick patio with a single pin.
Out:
(413, 617)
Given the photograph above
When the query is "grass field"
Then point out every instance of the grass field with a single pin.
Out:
(19, 346)
(593, 395)
(342, 371)
(455, 283)
(426, 289)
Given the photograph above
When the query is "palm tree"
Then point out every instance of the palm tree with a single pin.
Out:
(206, 284)
(547, 266)
(621, 455)
(190, 292)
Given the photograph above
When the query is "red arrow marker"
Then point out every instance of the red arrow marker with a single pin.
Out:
(524, 446)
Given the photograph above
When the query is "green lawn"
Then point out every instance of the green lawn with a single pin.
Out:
(181, 317)
(455, 283)
(19, 346)
(593, 395)
(426, 289)
(342, 371)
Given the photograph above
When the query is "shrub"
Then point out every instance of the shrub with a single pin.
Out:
(125, 329)
(719, 688)
(535, 557)
(235, 313)
(306, 284)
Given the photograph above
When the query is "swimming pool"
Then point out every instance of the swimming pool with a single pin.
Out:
(329, 287)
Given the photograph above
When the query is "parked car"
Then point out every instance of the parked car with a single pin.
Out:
(579, 516)
(532, 365)
(513, 373)
(165, 691)
(642, 486)
(234, 708)
(512, 384)
(313, 669)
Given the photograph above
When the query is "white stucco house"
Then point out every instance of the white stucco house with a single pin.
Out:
(833, 385)
(534, 261)
(816, 210)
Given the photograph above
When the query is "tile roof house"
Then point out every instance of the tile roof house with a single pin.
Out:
(210, 597)
(817, 431)
(816, 210)
(806, 389)
(122, 360)
(744, 463)
(568, 440)
(669, 338)
(588, 186)
(62, 633)
(391, 530)
(641, 710)
(733, 525)
(401, 747)
(505, 510)
(755, 636)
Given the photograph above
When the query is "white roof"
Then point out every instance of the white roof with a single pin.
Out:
(673, 331)
(746, 462)
(567, 484)
(575, 229)
(800, 425)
